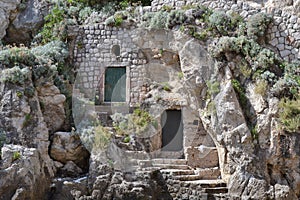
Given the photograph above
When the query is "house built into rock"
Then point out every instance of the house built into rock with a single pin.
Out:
(121, 69)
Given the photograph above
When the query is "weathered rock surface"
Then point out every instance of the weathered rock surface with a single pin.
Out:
(26, 22)
(6, 9)
(67, 147)
(52, 102)
(22, 171)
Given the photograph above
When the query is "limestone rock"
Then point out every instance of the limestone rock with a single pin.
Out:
(6, 7)
(68, 147)
(70, 169)
(52, 102)
(23, 166)
(27, 22)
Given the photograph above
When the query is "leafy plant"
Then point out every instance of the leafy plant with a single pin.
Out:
(180, 75)
(220, 22)
(27, 120)
(166, 87)
(19, 94)
(102, 138)
(135, 123)
(257, 25)
(240, 91)
(289, 114)
(15, 75)
(126, 139)
(213, 88)
(261, 87)
(16, 155)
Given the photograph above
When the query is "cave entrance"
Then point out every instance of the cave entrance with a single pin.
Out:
(172, 131)
(115, 84)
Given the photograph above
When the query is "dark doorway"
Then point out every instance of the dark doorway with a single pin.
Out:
(115, 84)
(172, 131)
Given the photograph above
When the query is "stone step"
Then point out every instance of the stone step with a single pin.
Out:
(167, 154)
(188, 177)
(216, 190)
(149, 169)
(139, 155)
(171, 166)
(177, 172)
(209, 173)
(169, 161)
(222, 196)
(208, 183)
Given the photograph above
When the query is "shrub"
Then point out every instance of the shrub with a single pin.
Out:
(159, 20)
(257, 25)
(135, 123)
(220, 22)
(180, 75)
(213, 88)
(240, 90)
(289, 114)
(27, 120)
(261, 87)
(53, 28)
(84, 13)
(102, 138)
(16, 155)
(54, 51)
(176, 17)
(265, 59)
(12, 56)
(15, 75)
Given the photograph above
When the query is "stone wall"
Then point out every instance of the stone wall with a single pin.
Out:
(284, 32)
(93, 54)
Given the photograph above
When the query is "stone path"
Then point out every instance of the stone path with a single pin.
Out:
(185, 182)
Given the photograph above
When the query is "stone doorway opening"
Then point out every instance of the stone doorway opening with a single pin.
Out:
(172, 131)
(115, 84)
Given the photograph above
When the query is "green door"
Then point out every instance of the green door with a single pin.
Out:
(115, 84)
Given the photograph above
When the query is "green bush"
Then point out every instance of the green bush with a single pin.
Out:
(213, 88)
(176, 17)
(159, 20)
(15, 75)
(12, 56)
(102, 138)
(16, 155)
(54, 28)
(257, 25)
(135, 123)
(261, 87)
(220, 22)
(240, 90)
(289, 114)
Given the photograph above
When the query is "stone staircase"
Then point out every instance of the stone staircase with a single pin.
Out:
(185, 182)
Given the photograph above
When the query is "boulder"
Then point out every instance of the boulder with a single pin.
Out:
(27, 21)
(52, 102)
(6, 7)
(68, 147)
(23, 166)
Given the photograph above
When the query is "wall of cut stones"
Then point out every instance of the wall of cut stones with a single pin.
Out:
(284, 36)
(93, 52)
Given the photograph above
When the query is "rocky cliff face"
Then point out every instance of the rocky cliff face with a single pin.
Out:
(258, 158)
